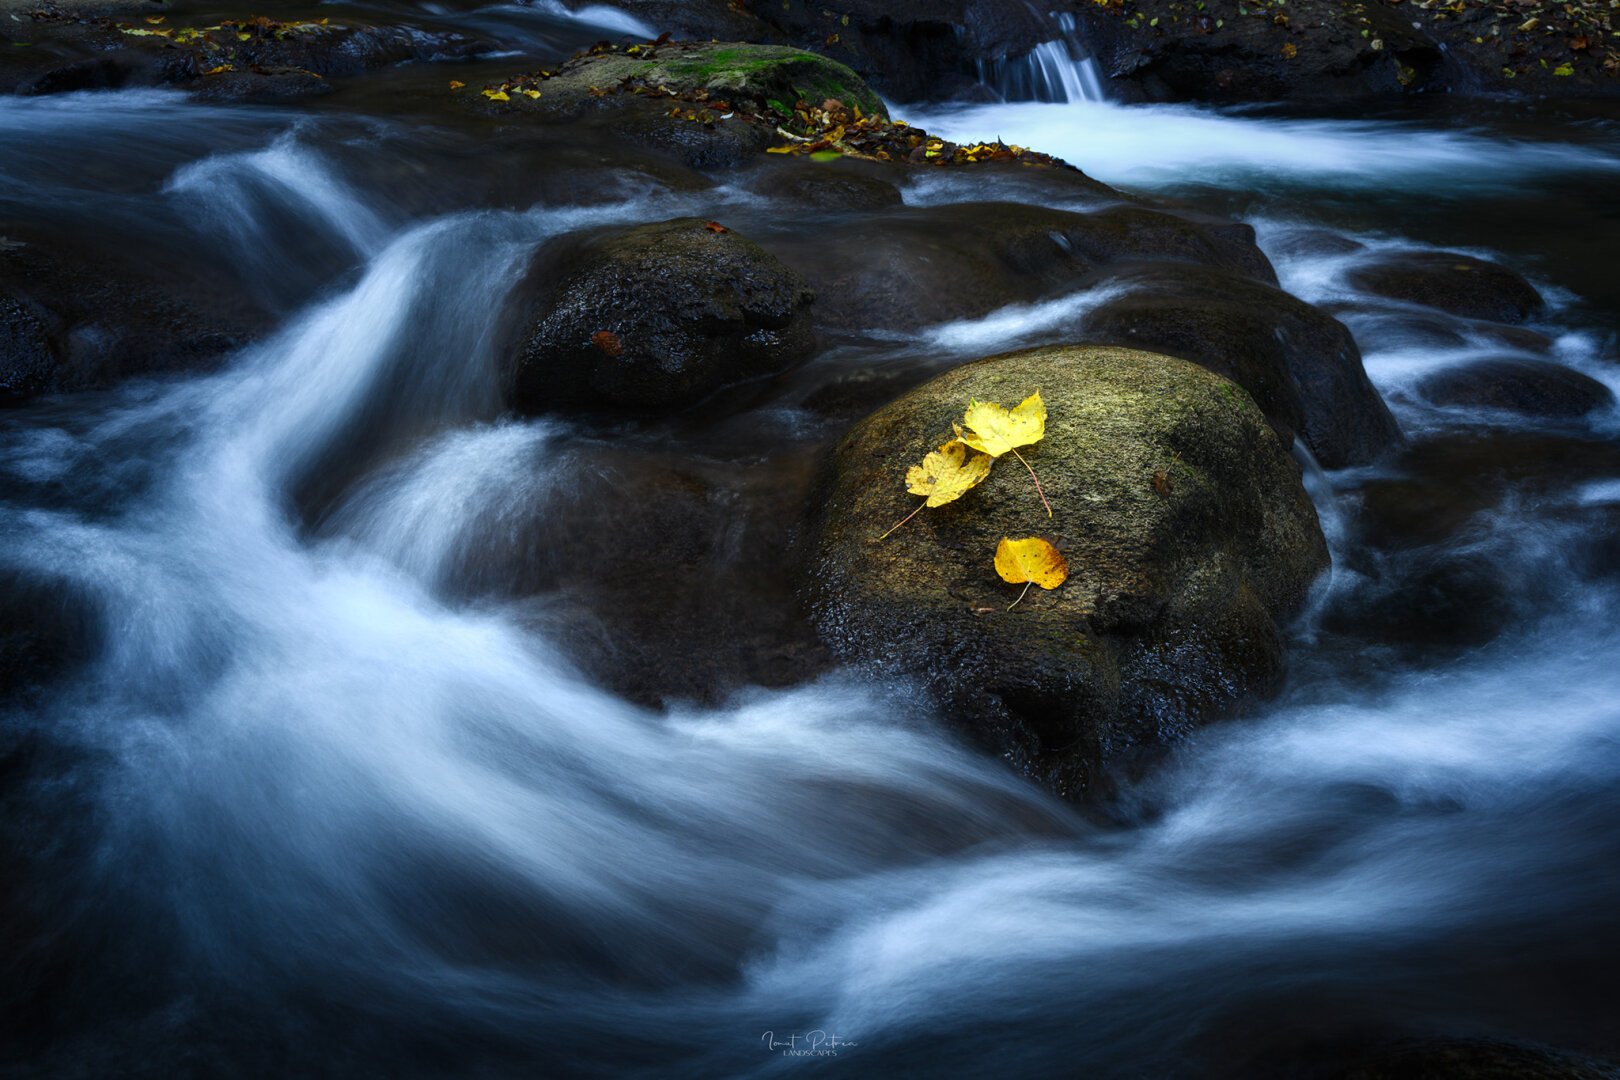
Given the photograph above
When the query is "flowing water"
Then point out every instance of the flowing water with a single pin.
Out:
(313, 800)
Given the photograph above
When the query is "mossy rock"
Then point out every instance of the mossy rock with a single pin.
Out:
(1187, 532)
(767, 74)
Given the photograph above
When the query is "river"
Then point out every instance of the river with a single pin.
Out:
(316, 801)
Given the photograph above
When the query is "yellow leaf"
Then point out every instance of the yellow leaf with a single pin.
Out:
(497, 95)
(996, 431)
(781, 149)
(532, 93)
(1031, 561)
(456, 84)
(948, 473)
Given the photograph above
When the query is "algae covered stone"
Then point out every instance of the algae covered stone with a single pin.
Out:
(763, 73)
(1187, 532)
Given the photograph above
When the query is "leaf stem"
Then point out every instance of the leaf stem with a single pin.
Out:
(1020, 599)
(903, 520)
(1037, 480)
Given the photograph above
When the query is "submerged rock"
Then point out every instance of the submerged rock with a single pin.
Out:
(1518, 384)
(1458, 284)
(657, 316)
(1301, 366)
(1187, 532)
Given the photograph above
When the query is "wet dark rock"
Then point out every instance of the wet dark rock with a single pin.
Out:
(74, 319)
(657, 316)
(246, 61)
(1169, 615)
(1458, 284)
(1532, 387)
(261, 86)
(915, 267)
(723, 144)
(1299, 364)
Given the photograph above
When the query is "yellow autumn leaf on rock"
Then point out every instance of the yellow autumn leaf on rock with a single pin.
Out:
(996, 430)
(497, 95)
(1031, 561)
(947, 474)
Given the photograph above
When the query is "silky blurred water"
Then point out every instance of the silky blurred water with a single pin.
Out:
(307, 807)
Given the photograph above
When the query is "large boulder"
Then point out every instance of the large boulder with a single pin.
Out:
(1187, 532)
(657, 316)
(1300, 365)
(1457, 284)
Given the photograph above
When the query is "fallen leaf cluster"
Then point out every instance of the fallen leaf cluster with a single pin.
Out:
(822, 130)
(963, 463)
(212, 49)
(833, 128)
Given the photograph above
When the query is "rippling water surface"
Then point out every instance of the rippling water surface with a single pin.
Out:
(310, 803)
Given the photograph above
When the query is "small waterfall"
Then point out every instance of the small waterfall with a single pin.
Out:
(284, 220)
(1059, 70)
